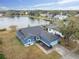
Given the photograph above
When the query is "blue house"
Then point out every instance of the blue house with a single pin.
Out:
(31, 35)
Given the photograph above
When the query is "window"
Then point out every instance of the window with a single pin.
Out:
(37, 38)
(29, 40)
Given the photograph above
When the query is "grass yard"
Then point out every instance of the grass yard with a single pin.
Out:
(14, 49)
(2, 56)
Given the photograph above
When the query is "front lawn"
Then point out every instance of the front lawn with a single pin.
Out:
(13, 49)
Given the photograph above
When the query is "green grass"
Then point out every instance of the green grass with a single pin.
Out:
(2, 56)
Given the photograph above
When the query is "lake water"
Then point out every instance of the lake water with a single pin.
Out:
(20, 22)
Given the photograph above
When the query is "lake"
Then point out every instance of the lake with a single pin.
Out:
(20, 22)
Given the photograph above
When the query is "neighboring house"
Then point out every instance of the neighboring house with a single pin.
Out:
(43, 15)
(1, 14)
(26, 13)
(50, 15)
(77, 15)
(61, 17)
(30, 35)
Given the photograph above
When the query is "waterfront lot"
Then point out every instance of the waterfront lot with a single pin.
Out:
(12, 48)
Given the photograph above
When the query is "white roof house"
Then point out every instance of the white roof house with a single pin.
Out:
(1, 14)
(26, 13)
(77, 15)
(61, 17)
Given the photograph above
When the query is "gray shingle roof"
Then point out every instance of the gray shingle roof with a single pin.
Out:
(31, 30)
(46, 37)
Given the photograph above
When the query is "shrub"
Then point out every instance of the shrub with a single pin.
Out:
(2, 56)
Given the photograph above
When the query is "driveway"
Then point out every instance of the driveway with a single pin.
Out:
(71, 55)
(61, 50)
(65, 53)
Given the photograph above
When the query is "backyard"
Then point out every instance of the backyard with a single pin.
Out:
(12, 48)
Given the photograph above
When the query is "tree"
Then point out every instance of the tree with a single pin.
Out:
(72, 28)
